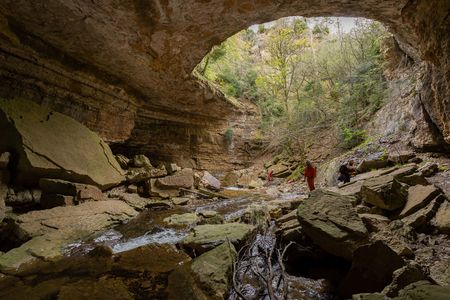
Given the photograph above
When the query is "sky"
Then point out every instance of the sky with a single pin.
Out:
(347, 23)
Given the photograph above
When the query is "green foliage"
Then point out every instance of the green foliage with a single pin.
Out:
(298, 173)
(352, 137)
(302, 74)
(228, 135)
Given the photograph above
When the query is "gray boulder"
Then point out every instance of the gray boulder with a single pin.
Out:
(332, 223)
(50, 144)
(371, 269)
(384, 192)
(419, 196)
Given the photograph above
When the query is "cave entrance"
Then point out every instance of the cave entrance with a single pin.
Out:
(308, 77)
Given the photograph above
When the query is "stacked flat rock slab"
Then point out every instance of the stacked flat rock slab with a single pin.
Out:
(61, 193)
(424, 215)
(331, 222)
(169, 186)
(419, 196)
(384, 192)
(49, 144)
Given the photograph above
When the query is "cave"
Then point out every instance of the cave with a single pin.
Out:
(125, 70)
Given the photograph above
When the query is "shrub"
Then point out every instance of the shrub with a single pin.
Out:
(229, 135)
(352, 137)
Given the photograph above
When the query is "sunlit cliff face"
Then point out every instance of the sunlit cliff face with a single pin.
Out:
(123, 68)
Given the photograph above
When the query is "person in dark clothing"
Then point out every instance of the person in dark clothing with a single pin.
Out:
(345, 171)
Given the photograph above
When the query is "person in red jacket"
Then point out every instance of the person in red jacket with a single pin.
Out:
(310, 174)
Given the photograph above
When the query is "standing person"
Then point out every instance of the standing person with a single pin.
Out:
(346, 170)
(310, 174)
(270, 176)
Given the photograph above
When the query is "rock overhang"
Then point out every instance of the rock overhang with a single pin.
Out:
(138, 56)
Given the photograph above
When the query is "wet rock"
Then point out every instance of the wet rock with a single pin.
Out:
(53, 200)
(123, 161)
(49, 230)
(419, 196)
(384, 192)
(150, 258)
(213, 270)
(33, 133)
(424, 290)
(104, 288)
(81, 192)
(371, 269)
(205, 237)
(442, 219)
(210, 182)
(182, 219)
(402, 277)
(331, 222)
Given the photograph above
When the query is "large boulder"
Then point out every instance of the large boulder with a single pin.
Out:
(331, 222)
(371, 269)
(210, 182)
(50, 144)
(181, 179)
(206, 237)
(384, 192)
(419, 196)
(213, 270)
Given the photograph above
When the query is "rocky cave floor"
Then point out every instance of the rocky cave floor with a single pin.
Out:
(173, 233)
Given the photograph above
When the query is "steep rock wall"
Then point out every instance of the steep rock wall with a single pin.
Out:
(123, 67)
